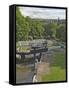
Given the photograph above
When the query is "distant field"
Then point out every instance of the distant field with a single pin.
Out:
(57, 69)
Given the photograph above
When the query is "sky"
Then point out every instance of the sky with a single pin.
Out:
(43, 13)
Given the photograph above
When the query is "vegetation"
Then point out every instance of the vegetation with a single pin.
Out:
(28, 29)
(22, 69)
(56, 74)
(57, 70)
(22, 27)
(61, 32)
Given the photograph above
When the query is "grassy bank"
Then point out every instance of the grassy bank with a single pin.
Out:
(57, 69)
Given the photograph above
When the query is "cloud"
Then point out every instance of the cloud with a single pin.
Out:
(44, 13)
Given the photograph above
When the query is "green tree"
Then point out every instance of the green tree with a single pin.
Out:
(61, 32)
(22, 27)
(50, 30)
(36, 29)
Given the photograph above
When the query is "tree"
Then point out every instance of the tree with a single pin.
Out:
(27, 27)
(50, 30)
(61, 32)
(53, 28)
(36, 29)
(22, 27)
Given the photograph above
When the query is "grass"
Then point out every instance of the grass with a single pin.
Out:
(22, 69)
(56, 74)
(59, 59)
(21, 72)
(57, 69)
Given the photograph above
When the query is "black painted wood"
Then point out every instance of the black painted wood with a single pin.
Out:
(34, 52)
